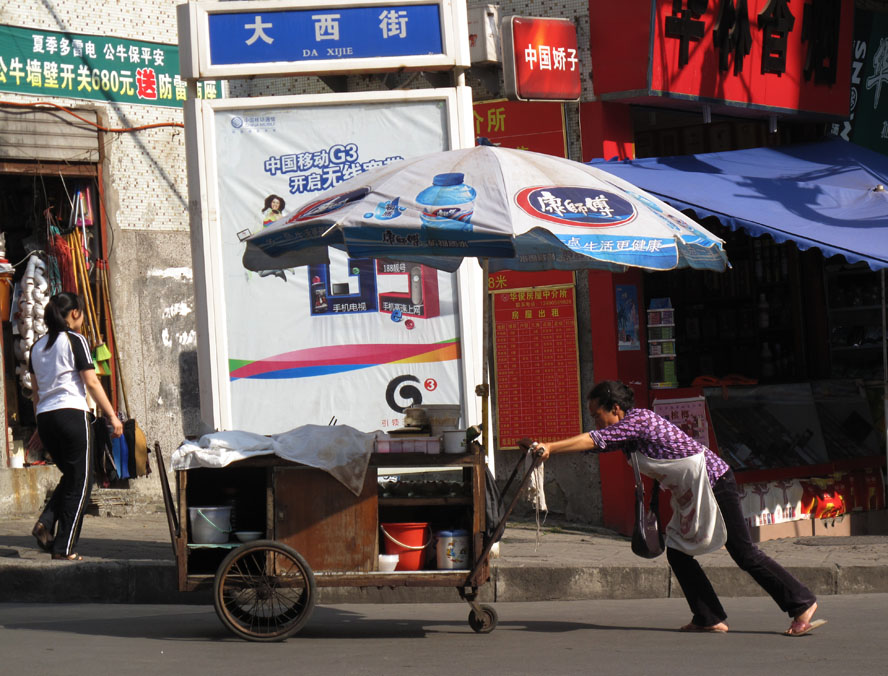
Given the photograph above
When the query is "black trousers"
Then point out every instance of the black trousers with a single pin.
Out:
(66, 434)
(790, 595)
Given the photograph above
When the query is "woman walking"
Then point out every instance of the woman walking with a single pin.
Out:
(63, 374)
(705, 501)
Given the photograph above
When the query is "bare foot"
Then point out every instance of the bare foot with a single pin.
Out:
(806, 616)
(802, 624)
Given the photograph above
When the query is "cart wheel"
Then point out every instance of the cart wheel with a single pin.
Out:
(485, 622)
(264, 591)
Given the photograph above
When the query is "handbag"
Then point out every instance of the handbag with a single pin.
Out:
(138, 449)
(103, 459)
(647, 540)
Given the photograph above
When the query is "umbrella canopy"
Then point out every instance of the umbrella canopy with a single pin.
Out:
(522, 210)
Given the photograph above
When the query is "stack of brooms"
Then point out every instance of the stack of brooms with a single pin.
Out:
(97, 306)
(101, 354)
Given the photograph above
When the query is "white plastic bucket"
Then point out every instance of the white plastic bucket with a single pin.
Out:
(210, 525)
(455, 441)
(453, 549)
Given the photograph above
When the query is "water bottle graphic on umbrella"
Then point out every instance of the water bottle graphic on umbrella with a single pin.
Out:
(447, 204)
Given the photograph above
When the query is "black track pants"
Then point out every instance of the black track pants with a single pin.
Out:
(66, 436)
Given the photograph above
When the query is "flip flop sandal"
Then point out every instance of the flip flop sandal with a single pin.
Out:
(798, 628)
(696, 628)
(69, 557)
(44, 539)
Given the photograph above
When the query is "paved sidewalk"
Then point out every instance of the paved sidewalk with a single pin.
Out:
(130, 560)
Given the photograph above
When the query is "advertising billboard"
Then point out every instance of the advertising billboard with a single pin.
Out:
(354, 341)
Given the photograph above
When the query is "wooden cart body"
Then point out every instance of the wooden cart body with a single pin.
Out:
(336, 532)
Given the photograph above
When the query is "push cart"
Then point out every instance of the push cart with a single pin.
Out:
(314, 532)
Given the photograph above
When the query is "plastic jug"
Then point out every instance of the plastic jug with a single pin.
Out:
(453, 549)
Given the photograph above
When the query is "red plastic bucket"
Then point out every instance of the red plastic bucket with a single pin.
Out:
(408, 541)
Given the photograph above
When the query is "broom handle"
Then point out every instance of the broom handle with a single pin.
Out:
(114, 342)
(76, 255)
(90, 303)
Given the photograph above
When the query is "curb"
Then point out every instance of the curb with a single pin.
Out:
(142, 581)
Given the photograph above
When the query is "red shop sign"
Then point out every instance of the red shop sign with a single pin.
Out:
(540, 59)
(537, 126)
(771, 55)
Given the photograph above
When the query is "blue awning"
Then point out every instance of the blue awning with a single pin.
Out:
(832, 195)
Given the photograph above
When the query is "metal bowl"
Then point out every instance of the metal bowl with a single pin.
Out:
(248, 535)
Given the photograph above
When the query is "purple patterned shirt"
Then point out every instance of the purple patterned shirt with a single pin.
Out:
(645, 431)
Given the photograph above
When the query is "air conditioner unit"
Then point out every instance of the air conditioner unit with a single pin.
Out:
(484, 34)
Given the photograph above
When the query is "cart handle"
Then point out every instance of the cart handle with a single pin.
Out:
(401, 544)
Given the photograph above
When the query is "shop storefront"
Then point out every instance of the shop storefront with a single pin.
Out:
(91, 179)
(777, 363)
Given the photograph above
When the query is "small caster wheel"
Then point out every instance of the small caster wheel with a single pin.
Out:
(485, 622)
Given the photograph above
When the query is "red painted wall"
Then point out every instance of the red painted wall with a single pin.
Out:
(609, 363)
(606, 131)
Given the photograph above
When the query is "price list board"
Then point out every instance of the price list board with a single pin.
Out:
(537, 373)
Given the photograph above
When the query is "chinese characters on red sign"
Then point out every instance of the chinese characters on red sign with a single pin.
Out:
(780, 53)
(537, 126)
(732, 34)
(785, 55)
(540, 59)
(537, 369)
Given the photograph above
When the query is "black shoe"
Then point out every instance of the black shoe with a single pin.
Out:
(44, 539)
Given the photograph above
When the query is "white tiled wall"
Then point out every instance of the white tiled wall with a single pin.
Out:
(145, 169)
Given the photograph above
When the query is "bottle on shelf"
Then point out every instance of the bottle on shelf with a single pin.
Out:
(764, 316)
(767, 361)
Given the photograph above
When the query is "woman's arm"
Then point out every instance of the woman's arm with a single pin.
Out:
(581, 442)
(97, 392)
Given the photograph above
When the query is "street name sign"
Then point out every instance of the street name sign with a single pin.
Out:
(270, 37)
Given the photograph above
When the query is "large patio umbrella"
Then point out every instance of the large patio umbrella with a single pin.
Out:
(511, 209)
(522, 210)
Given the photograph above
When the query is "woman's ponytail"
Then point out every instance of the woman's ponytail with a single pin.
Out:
(56, 313)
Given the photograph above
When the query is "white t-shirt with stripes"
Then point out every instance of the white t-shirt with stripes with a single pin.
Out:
(57, 371)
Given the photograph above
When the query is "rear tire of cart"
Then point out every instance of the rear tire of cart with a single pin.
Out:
(485, 622)
(264, 591)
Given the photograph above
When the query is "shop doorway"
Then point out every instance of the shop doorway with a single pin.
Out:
(51, 213)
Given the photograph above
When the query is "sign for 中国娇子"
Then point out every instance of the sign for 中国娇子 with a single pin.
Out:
(93, 67)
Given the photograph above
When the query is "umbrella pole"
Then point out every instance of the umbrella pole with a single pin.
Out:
(485, 336)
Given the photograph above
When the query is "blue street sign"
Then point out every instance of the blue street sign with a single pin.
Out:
(324, 33)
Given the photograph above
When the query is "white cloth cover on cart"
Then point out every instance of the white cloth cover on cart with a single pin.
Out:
(340, 450)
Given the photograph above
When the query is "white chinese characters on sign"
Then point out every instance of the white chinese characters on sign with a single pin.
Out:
(393, 23)
(326, 26)
(550, 58)
(880, 71)
(258, 31)
(548, 203)
(609, 245)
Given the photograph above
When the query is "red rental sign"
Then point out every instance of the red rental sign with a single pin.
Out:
(536, 364)
(540, 59)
